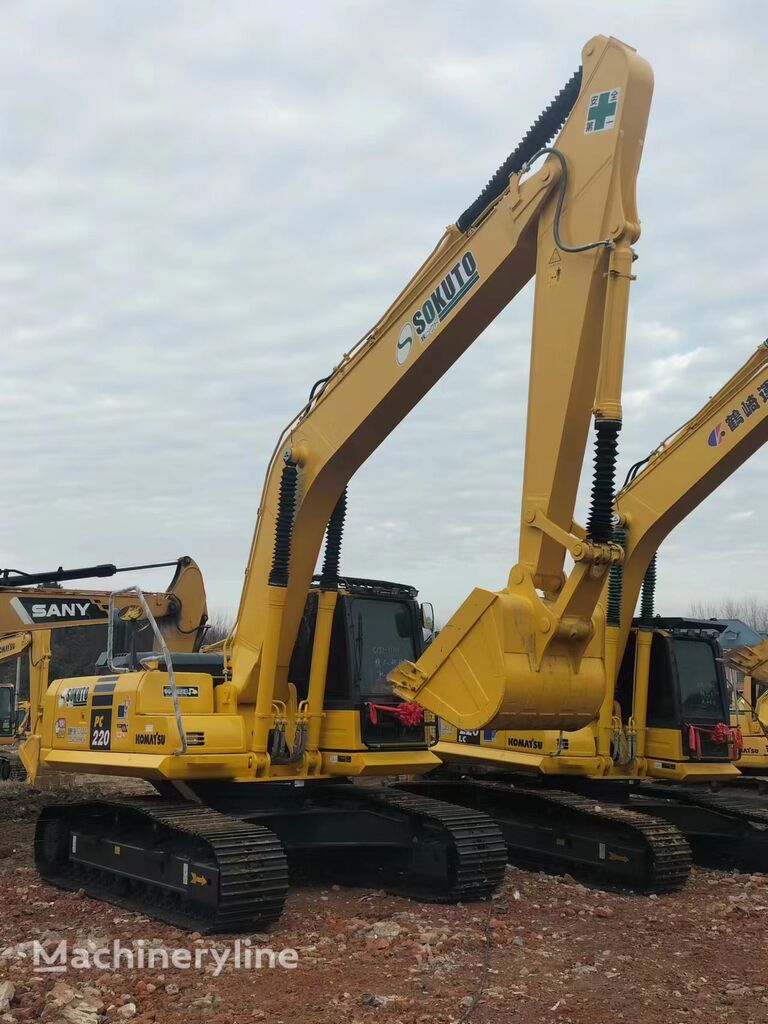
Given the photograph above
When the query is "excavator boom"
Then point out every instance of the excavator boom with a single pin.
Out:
(572, 224)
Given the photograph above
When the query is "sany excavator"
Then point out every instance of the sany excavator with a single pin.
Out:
(14, 713)
(32, 601)
(37, 604)
(666, 715)
(254, 750)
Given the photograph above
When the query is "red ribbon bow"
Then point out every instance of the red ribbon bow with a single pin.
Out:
(408, 712)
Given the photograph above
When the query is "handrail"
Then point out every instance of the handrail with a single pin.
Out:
(163, 647)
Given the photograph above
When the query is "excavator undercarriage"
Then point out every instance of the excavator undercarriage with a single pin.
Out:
(607, 844)
(223, 865)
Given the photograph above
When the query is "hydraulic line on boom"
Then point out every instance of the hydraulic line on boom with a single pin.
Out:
(17, 578)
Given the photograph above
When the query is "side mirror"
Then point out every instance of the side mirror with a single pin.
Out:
(428, 617)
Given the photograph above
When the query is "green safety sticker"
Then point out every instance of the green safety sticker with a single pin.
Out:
(601, 112)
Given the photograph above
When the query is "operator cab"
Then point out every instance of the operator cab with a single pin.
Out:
(376, 625)
(687, 689)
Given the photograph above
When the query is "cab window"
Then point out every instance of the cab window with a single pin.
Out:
(700, 690)
(383, 637)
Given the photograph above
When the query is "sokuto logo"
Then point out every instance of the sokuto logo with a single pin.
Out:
(404, 343)
(438, 305)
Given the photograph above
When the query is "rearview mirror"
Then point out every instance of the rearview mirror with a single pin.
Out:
(428, 617)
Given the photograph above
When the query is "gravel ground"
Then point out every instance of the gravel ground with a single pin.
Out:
(546, 949)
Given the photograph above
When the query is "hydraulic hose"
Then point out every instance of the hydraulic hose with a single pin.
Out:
(541, 132)
(607, 242)
(286, 507)
(599, 522)
(329, 575)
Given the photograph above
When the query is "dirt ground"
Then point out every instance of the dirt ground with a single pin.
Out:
(545, 949)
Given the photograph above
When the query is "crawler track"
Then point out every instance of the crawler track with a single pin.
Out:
(745, 806)
(560, 831)
(727, 827)
(179, 862)
(227, 870)
(11, 768)
(456, 854)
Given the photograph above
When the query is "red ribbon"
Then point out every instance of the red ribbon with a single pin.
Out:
(721, 733)
(408, 712)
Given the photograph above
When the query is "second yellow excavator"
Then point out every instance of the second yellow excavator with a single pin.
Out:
(33, 601)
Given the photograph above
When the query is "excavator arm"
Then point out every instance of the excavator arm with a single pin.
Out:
(180, 610)
(686, 468)
(570, 224)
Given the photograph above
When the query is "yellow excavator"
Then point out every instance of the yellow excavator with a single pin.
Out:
(40, 604)
(666, 714)
(324, 679)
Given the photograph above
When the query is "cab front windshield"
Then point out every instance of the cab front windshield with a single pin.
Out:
(699, 682)
(384, 636)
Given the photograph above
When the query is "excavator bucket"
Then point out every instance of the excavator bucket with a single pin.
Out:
(481, 672)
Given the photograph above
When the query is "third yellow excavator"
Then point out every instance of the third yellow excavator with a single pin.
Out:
(15, 712)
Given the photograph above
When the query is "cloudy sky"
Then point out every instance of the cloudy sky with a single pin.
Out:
(205, 203)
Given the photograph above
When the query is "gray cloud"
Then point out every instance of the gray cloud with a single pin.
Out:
(208, 203)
